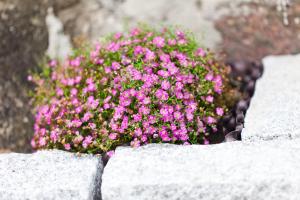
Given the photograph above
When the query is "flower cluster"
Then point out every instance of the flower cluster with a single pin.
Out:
(142, 87)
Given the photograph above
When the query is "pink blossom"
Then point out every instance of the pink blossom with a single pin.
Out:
(171, 42)
(137, 117)
(33, 143)
(113, 136)
(178, 115)
(159, 41)
(110, 153)
(67, 146)
(53, 63)
(162, 95)
(138, 132)
(138, 50)
(86, 116)
(42, 141)
(87, 141)
(211, 120)
(59, 92)
(74, 91)
(179, 86)
(200, 52)
(124, 124)
(165, 85)
(163, 73)
(115, 66)
(29, 78)
(54, 136)
(219, 111)
(135, 143)
(150, 55)
(209, 77)
(78, 139)
(209, 98)
(146, 100)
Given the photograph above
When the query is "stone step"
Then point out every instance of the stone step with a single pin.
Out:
(236, 170)
(50, 175)
(274, 111)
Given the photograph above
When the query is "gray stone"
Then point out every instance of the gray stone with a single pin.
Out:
(274, 111)
(233, 170)
(100, 17)
(50, 175)
(23, 40)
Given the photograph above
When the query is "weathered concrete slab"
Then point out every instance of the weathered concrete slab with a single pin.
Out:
(50, 175)
(227, 171)
(275, 107)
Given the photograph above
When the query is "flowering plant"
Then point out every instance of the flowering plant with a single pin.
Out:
(142, 87)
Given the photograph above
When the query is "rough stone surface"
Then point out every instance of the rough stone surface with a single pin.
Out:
(234, 170)
(50, 175)
(275, 109)
(99, 17)
(23, 41)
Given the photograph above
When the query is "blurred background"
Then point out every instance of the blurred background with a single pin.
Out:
(238, 30)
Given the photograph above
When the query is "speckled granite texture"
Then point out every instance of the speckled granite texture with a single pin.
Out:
(234, 170)
(275, 107)
(50, 175)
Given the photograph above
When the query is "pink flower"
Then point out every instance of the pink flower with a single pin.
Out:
(52, 63)
(115, 66)
(219, 111)
(59, 92)
(54, 136)
(137, 117)
(206, 142)
(33, 143)
(144, 110)
(146, 101)
(138, 50)
(124, 124)
(189, 115)
(209, 99)
(164, 136)
(171, 42)
(178, 94)
(165, 85)
(164, 111)
(29, 78)
(67, 146)
(218, 84)
(86, 116)
(87, 141)
(200, 52)
(179, 86)
(42, 141)
(74, 92)
(209, 77)
(162, 95)
(163, 73)
(76, 123)
(75, 62)
(110, 153)
(164, 58)
(211, 120)
(113, 136)
(159, 41)
(138, 132)
(178, 116)
(92, 125)
(150, 55)
(135, 143)
(78, 139)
